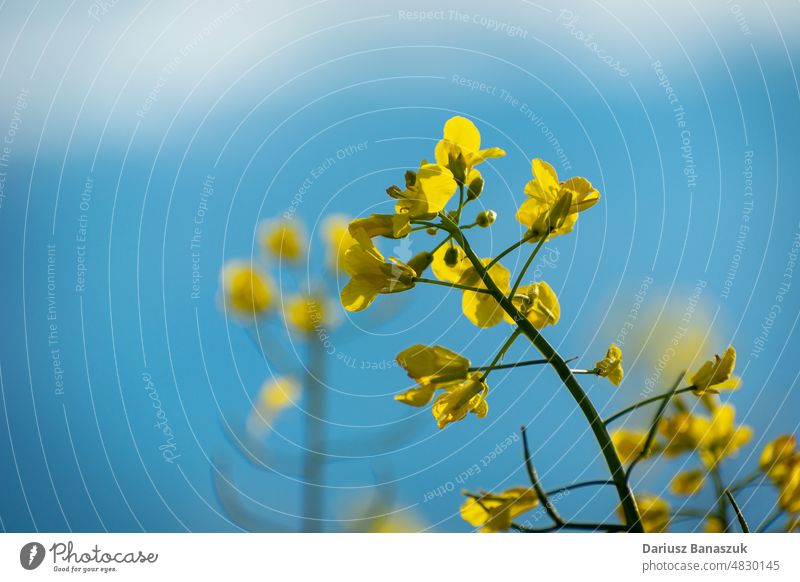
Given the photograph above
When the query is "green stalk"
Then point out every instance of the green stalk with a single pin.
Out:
(641, 403)
(315, 438)
(501, 352)
(525, 266)
(624, 492)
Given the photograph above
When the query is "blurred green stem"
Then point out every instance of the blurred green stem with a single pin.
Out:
(315, 437)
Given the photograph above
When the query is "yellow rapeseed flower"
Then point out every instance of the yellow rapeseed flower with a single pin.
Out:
(371, 274)
(688, 482)
(304, 313)
(629, 444)
(433, 368)
(552, 207)
(684, 432)
(789, 491)
(714, 525)
(386, 225)
(538, 303)
(283, 239)
(427, 191)
(276, 395)
(458, 263)
(481, 308)
(654, 512)
(611, 366)
(247, 291)
(778, 457)
(723, 438)
(460, 148)
(494, 512)
(338, 240)
(460, 399)
(716, 374)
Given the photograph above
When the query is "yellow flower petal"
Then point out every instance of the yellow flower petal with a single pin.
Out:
(538, 303)
(247, 291)
(454, 404)
(688, 482)
(386, 225)
(494, 512)
(283, 239)
(481, 308)
(304, 313)
(445, 272)
(611, 366)
(338, 239)
(715, 375)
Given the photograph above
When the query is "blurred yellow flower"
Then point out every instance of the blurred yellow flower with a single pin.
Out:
(716, 374)
(789, 492)
(283, 239)
(611, 366)
(371, 274)
(433, 368)
(778, 458)
(538, 303)
(247, 291)
(460, 148)
(552, 207)
(688, 482)
(481, 308)
(304, 313)
(449, 263)
(714, 525)
(723, 438)
(386, 225)
(654, 512)
(427, 191)
(276, 395)
(684, 432)
(494, 512)
(338, 239)
(454, 404)
(629, 444)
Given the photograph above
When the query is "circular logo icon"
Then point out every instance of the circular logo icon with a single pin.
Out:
(31, 555)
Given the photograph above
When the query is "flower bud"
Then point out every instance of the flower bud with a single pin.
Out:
(451, 257)
(420, 262)
(475, 188)
(485, 218)
(432, 231)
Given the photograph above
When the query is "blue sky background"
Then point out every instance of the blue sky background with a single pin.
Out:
(147, 102)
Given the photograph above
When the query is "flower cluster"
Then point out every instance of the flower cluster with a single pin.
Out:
(435, 199)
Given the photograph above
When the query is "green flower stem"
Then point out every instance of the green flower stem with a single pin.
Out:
(651, 434)
(581, 485)
(747, 481)
(719, 489)
(645, 402)
(460, 202)
(315, 439)
(608, 527)
(513, 365)
(513, 247)
(540, 492)
(526, 266)
(738, 512)
(502, 352)
(451, 285)
(624, 492)
(440, 245)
